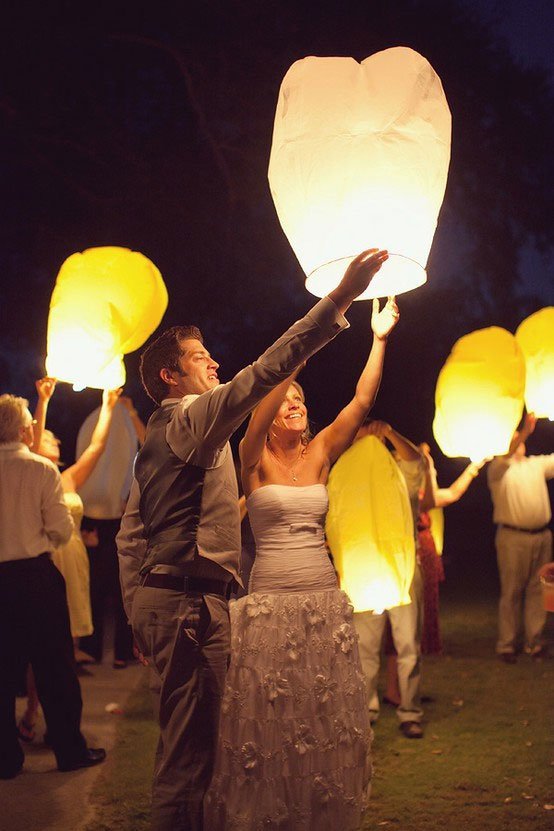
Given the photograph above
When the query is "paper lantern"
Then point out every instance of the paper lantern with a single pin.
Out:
(370, 527)
(359, 160)
(106, 302)
(107, 488)
(479, 395)
(535, 336)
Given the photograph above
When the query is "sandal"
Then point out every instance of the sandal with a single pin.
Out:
(25, 731)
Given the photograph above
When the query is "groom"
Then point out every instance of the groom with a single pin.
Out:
(179, 543)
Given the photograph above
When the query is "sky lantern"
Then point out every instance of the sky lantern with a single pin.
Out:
(535, 336)
(479, 395)
(359, 160)
(370, 527)
(106, 303)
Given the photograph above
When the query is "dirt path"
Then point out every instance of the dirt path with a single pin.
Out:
(41, 797)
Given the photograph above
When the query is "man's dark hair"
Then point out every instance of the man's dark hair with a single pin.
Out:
(164, 353)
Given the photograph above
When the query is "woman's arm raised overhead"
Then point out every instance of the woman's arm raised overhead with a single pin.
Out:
(76, 475)
(340, 434)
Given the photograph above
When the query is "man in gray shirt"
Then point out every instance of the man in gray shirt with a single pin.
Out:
(179, 544)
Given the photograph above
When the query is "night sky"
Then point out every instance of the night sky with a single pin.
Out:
(149, 126)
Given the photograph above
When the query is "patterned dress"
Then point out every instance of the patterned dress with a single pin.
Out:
(294, 747)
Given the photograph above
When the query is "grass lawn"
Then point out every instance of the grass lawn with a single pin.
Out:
(486, 761)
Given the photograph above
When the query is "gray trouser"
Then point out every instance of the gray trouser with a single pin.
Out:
(405, 634)
(186, 640)
(519, 556)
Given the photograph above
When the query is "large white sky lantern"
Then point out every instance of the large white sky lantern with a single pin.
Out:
(479, 395)
(535, 335)
(106, 302)
(359, 160)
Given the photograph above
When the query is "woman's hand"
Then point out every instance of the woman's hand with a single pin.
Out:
(45, 388)
(384, 321)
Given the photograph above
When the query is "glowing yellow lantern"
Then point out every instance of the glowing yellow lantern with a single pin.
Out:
(370, 527)
(535, 336)
(479, 395)
(359, 160)
(106, 303)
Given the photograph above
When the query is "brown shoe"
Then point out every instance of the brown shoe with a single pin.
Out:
(411, 729)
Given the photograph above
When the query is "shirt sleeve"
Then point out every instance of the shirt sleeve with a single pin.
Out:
(214, 416)
(497, 468)
(56, 517)
(131, 548)
(548, 465)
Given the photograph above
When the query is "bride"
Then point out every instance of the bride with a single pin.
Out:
(295, 735)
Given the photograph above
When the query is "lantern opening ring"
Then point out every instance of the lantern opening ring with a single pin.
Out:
(353, 256)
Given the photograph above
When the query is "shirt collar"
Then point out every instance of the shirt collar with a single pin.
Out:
(186, 400)
(14, 445)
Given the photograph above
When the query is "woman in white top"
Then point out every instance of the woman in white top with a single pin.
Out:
(295, 735)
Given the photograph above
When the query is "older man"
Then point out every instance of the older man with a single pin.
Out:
(522, 513)
(34, 619)
(179, 544)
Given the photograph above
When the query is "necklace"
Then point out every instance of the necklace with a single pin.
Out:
(289, 468)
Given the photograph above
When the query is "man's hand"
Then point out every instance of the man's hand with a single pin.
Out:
(45, 388)
(384, 321)
(357, 277)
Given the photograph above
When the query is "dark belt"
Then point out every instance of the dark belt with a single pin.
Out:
(188, 584)
(525, 530)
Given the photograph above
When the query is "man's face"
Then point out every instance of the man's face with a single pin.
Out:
(27, 429)
(198, 369)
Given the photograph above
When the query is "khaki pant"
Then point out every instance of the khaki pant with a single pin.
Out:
(406, 629)
(186, 639)
(519, 556)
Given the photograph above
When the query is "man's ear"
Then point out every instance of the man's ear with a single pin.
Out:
(167, 377)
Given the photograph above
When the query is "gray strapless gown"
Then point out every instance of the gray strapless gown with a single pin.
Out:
(294, 746)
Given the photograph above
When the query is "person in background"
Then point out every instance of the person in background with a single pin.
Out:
(71, 558)
(404, 620)
(34, 619)
(104, 498)
(429, 560)
(522, 513)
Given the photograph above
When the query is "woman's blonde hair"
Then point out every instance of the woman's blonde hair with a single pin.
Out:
(14, 412)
